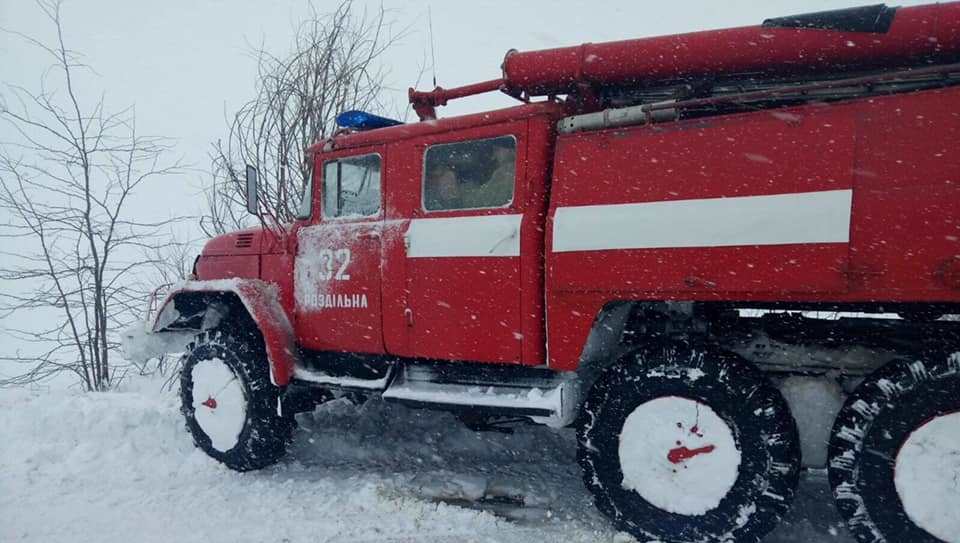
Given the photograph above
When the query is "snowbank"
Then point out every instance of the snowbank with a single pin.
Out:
(120, 467)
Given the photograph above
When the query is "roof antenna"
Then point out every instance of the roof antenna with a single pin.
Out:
(433, 57)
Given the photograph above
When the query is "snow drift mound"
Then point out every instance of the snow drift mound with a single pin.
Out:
(120, 467)
(111, 467)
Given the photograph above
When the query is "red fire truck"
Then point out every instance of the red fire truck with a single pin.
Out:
(723, 257)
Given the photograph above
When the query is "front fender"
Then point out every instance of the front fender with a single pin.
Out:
(262, 302)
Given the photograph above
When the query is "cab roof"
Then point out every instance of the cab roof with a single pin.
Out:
(390, 134)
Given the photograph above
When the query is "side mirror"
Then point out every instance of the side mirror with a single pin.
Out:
(253, 198)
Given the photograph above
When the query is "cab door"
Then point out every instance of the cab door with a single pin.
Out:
(462, 247)
(337, 270)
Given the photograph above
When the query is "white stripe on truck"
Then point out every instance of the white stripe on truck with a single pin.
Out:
(484, 235)
(780, 219)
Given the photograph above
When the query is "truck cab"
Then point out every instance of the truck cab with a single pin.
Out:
(417, 231)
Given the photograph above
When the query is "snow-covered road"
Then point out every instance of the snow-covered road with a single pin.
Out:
(120, 467)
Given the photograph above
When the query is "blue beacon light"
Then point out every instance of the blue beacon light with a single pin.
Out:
(361, 120)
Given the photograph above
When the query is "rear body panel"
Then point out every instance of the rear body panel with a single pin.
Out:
(851, 202)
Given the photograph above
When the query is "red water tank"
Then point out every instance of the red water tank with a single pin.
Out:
(868, 37)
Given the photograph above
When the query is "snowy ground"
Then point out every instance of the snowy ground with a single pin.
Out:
(121, 467)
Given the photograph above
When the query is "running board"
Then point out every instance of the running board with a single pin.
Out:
(544, 396)
(317, 377)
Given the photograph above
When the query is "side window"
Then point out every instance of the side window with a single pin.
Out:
(351, 187)
(470, 175)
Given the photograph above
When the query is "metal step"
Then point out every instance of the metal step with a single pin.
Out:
(318, 377)
(540, 394)
(545, 397)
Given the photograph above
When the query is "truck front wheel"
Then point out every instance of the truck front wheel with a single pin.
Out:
(229, 403)
(683, 445)
(895, 453)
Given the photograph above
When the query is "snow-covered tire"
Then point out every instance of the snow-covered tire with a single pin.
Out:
(229, 402)
(672, 490)
(895, 453)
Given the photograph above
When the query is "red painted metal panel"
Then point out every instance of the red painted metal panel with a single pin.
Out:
(249, 241)
(225, 267)
(465, 308)
(539, 153)
(479, 308)
(795, 150)
(339, 309)
(401, 190)
(337, 277)
(569, 319)
(277, 269)
(798, 151)
(907, 227)
(705, 273)
(894, 152)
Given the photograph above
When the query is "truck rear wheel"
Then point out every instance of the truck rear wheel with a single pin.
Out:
(682, 445)
(229, 403)
(895, 453)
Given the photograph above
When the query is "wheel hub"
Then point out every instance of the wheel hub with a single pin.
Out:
(219, 403)
(926, 476)
(679, 455)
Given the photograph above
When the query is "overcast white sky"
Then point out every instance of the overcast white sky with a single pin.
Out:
(184, 63)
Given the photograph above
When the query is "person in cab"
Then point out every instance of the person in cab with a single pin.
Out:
(495, 189)
(442, 189)
(470, 175)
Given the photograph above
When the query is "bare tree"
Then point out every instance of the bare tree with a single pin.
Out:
(334, 66)
(66, 185)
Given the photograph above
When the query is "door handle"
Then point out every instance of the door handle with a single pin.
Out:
(369, 235)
